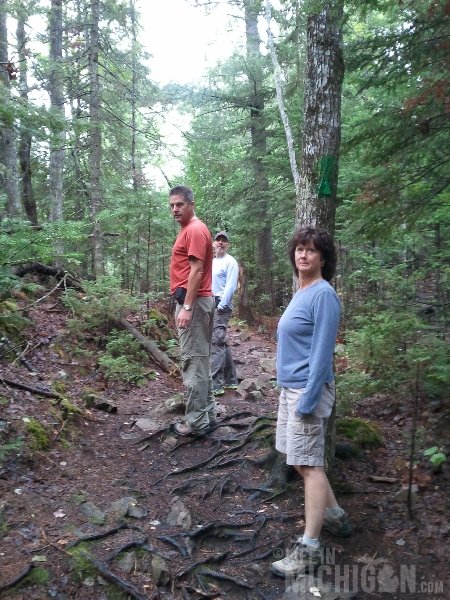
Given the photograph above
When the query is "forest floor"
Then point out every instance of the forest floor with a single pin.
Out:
(118, 507)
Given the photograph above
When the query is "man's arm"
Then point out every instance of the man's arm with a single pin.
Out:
(230, 284)
(193, 284)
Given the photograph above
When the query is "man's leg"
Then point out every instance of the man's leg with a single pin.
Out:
(219, 348)
(230, 376)
(195, 344)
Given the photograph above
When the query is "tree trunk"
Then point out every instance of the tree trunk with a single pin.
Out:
(95, 139)
(316, 202)
(27, 197)
(280, 100)
(58, 135)
(8, 156)
(244, 306)
(258, 132)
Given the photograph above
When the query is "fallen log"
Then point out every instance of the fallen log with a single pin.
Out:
(158, 356)
(34, 390)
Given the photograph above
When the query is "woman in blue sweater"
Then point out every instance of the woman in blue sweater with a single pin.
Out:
(306, 338)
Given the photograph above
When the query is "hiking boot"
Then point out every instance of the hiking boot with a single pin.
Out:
(231, 386)
(338, 526)
(184, 429)
(219, 391)
(301, 559)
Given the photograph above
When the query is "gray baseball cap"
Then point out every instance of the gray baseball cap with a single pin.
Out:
(222, 234)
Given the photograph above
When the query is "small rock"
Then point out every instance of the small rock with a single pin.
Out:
(244, 336)
(174, 403)
(269, 365)
(93, 513)
(254, 396)
(179, 515)
(121, 507)
(160, 571)
(147, 424)
(137, 512)
(127, 561)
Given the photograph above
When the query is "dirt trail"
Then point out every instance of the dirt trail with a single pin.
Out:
(119, 508)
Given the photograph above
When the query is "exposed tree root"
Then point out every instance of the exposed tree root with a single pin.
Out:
(210, 559)
(173, 542)
(103, 534)
(117, 581)
(138, 544)
(10, 584)
(224, 577)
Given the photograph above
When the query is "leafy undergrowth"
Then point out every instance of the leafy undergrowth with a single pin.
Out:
(102, 504)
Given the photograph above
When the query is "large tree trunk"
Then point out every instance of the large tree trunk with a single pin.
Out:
(316, 202)
(258, 132)
(8, 156)
(95, 139)
(58, 135)
(27, 196)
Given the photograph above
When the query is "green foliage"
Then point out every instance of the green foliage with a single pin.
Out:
(12, 446)
(436, 457)
(363, 433)
(351, 386)
(38, 434)
(11, 323)
(123, 359)
(431, 356)
(37, 576)
(102, 301)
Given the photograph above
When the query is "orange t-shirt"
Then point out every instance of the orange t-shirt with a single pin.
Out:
(195, 240)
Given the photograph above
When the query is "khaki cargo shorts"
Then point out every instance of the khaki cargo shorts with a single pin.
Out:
(302, 439)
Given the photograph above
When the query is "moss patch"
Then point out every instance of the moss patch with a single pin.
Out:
(363, 433)
(38, 435)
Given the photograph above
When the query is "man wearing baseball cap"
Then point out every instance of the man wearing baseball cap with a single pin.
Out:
(225, 272)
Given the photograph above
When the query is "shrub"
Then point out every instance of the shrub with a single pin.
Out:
(123, 359)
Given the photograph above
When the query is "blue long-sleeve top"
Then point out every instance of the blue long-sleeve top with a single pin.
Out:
(225, 271)
(306, 339)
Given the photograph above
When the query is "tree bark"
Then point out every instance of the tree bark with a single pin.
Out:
(244, 306)
(258, 133)
(316, 202)
(25, 141)
(280, 100)
(58, 135)
(8, 155)
(95, 139)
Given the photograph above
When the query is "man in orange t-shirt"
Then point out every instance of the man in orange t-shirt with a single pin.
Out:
(190, 284)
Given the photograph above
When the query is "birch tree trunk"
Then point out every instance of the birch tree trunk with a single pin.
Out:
(8, 155)
(95, 139)
(25, 141)
(258, 132)
(58, 135)
(280, 100)
(316, 201)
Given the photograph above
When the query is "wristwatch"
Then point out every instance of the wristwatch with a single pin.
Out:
(187, 307)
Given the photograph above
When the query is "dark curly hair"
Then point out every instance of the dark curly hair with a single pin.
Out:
(322, 241)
